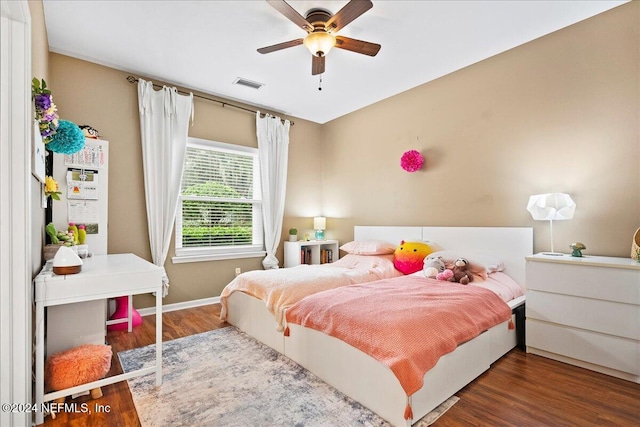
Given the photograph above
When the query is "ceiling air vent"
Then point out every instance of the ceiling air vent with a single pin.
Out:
(248, 83)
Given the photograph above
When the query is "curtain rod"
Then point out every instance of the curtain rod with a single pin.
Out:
(132, 79)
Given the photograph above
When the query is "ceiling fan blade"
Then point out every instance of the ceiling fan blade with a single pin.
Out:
(290, 13)
(358, 46)
(279, 46)
(348, 13)
(317, 65)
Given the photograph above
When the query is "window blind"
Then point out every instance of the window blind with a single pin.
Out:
(220, 202)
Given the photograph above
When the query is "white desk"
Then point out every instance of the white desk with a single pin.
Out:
(102, 276)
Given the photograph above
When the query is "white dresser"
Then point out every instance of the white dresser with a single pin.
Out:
(585, 311)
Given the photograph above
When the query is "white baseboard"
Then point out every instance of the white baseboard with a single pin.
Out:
(149, 311)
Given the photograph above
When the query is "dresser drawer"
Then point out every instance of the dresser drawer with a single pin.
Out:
(608, 317)
(613, 284)
(605, 350)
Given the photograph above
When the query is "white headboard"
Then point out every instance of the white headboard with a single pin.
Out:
(388, 234)
(510, 244)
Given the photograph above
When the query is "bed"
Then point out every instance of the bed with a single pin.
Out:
(261, 318)
(372, 383)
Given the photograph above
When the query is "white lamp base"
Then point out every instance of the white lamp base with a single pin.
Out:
(552, 253)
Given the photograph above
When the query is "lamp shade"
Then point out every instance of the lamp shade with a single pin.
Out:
(551, 206)
(320, 223)
(320, 43)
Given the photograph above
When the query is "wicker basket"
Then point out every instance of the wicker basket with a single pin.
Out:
(49, 251)
(635, 245)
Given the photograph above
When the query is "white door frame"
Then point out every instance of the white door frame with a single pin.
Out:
(16, 293)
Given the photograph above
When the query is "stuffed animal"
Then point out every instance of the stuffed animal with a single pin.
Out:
(461, 272)
(446, 275)
(433, 266)
(409, 256)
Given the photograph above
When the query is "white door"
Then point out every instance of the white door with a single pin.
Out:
(15, 210)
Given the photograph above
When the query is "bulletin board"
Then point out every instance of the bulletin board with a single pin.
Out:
(83, 178)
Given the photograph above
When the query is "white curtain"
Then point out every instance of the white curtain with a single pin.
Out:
(273, 152)
(164, 122)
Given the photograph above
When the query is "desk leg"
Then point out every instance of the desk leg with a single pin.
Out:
(39, 361)
(159, 337)
(129, 313)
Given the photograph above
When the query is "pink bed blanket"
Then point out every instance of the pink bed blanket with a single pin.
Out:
(281, 288)
(406, 323)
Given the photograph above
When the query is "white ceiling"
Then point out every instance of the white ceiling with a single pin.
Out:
(206, 45)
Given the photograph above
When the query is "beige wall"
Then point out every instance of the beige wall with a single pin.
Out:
(91, 94)
(39, 41)
(39, 69)
(558, 114)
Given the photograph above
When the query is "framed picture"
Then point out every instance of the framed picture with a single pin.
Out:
(39, 154)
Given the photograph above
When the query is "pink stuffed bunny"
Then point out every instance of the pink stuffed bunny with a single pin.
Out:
(446, 275)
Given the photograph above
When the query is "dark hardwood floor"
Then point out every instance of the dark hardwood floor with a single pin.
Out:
(519, 390)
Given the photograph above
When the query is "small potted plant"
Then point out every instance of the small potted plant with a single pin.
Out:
(577, 249)
(293, 235)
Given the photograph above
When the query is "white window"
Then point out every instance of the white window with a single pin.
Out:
(219, 212)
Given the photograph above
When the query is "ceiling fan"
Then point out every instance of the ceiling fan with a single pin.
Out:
(321, 27)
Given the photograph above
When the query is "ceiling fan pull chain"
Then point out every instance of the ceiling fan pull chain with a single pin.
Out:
(320, 84)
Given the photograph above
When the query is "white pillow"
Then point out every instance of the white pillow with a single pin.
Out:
(369, 247)
(486, 262)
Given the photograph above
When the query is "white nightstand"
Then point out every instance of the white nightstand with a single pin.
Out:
(586, 312)
(310, 252)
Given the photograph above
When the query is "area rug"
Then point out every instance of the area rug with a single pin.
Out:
(226, 378)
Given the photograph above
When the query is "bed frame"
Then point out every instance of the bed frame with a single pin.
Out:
(250, 314)
(368, 381)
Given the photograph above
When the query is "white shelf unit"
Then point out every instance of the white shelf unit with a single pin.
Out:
(585, 312)
(293, 251)
(82, 322)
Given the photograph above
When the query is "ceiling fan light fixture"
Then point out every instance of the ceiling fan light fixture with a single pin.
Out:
(319, 43)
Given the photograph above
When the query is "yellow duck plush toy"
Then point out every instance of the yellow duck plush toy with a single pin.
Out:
(409, 256)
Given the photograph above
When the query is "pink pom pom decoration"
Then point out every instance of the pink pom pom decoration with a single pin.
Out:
(411, 161)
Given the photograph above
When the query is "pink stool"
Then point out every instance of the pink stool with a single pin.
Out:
(122, 314)
(80, 365)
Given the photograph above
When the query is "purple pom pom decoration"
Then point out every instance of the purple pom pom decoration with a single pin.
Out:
(68, 139)
(411, 161)
(43, 102)
(45, 110)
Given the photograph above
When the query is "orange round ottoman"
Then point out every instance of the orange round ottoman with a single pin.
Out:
(79, 365)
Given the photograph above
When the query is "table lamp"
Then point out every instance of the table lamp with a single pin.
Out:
(550, 207)
(320, 224)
